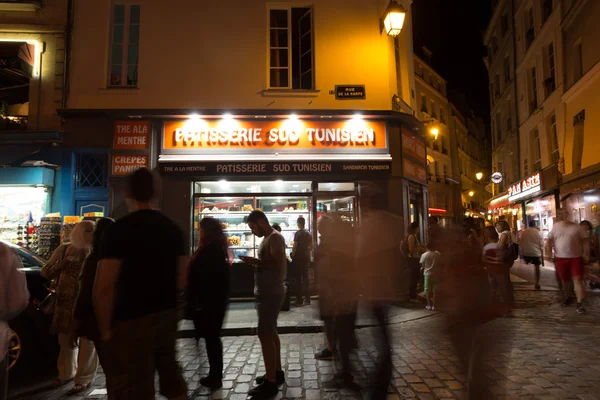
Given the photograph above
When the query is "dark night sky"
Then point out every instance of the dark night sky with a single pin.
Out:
(453, 31)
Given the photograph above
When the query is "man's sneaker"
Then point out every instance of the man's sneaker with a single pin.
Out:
(324, 354)
(428, 307)
(265, 389)
(581, 309)
(279, 378)
(432, 308)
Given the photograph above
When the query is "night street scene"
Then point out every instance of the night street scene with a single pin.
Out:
(284, 199)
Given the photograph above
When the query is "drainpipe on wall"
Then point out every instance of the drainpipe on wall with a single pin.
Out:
(66, 69)
(515, 89)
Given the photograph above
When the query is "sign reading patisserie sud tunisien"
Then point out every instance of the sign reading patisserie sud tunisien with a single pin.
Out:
(223, 135)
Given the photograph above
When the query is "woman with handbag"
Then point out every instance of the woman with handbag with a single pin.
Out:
(64, 267)
(509, 253)
(208, 295)
(84, 323)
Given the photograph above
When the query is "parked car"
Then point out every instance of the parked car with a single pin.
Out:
(31, 348)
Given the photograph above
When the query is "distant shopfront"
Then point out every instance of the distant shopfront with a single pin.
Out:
(581, 197)
(534, 198)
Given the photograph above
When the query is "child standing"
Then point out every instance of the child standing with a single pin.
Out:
(428, 260)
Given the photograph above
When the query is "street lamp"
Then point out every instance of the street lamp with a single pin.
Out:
(435, 132)
(479, 175)
(393, 19)
(471, 193)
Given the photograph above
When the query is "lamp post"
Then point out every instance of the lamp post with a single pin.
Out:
(393, 19)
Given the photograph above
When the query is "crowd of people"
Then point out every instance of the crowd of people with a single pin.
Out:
(122, 287)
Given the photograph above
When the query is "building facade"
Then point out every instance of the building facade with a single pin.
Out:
(433, 110)
(556, 60)
(308, 107)
(39, 174)
(579, 147)
(500, 41)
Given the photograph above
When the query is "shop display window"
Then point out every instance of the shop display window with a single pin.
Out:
(276, 199)
(18, 207)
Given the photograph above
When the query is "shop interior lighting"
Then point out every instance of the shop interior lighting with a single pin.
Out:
(194, 116)
(260, 116)
(227, 117)
(357, 117)
(293, 117)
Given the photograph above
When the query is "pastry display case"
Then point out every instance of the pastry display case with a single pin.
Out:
(233, 211)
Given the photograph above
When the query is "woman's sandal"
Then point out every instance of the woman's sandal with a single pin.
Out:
(78, 387)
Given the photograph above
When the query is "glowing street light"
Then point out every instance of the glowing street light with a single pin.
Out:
(435, 132)
(393, 19)
(479, 175)
(471, 193)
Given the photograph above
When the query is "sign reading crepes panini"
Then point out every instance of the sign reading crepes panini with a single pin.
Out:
(276, 168)
(125, 164)
(132, 135)
(231, 134)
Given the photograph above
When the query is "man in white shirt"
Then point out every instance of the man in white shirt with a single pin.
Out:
(532, 245)
(567, 239)
(14, 297)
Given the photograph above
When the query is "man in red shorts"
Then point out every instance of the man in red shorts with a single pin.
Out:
(567, 239)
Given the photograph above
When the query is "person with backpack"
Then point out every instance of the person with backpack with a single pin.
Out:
(501, 280)
(412, 250)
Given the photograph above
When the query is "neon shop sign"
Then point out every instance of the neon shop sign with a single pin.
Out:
(530, 185)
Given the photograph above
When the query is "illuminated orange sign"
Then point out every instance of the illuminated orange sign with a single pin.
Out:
(288, 134)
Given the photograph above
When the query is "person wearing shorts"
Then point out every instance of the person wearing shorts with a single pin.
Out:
(427, 261)
(569, 244)
(532, 246)
(270, 269)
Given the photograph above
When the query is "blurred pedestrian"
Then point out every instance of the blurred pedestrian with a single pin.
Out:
(337, 295)
(84, 326)
(532, 248)
(431, 275)
(412, 249)
(208, 295)
(379, 265)
(269, 291)
(65, 267)
(570, 246)
(139, 285)
(323, 273)
(501, 280)
(14, 298)
(592, 241)
(300, 260)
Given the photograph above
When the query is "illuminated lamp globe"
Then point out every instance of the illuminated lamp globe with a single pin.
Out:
(393, 19)
(435, 132)
(471, 193)
(479, 175)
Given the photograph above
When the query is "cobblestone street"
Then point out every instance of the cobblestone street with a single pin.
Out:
(540, 351)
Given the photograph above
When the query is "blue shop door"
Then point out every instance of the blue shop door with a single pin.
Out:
(83, 207)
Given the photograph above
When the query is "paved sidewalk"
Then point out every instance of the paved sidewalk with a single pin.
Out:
(541, 351)
(242, 320)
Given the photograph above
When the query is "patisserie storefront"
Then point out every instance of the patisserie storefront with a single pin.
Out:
(291, 167)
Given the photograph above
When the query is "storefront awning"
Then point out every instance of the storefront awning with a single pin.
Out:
(580, 185)
(27, 176)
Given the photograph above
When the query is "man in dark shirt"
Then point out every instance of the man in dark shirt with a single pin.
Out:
(300, 260)
(140, 275)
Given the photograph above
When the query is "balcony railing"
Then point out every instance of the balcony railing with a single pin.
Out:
(20, 5)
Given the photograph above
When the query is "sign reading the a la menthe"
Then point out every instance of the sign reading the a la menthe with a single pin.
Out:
(350, 92)
(132, 135)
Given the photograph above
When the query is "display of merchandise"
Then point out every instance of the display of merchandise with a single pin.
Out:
(232, 213)
(48, 236)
